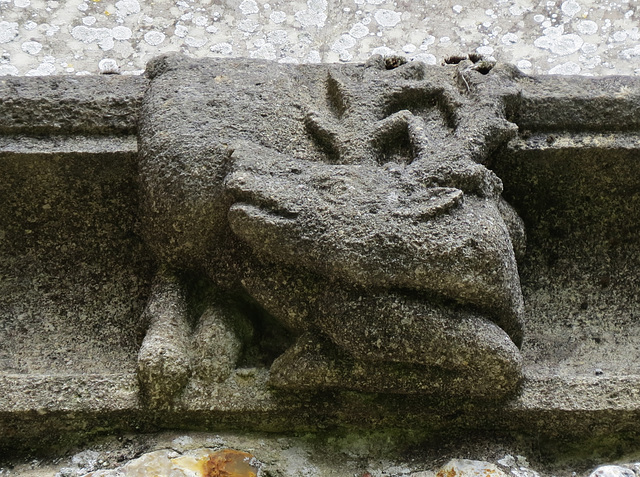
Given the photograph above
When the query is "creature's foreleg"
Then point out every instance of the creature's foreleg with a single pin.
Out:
(164, 362)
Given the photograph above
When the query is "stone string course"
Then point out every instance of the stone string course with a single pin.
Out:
(586, 37)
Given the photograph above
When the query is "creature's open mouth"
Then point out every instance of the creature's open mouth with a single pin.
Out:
(261, 213)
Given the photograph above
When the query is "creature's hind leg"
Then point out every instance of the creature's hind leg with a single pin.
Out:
(218, 341)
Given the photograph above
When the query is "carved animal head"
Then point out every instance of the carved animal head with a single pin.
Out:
(376, 228)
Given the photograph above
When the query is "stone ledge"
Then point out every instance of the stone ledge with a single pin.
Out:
(78, 145)
(545, 406)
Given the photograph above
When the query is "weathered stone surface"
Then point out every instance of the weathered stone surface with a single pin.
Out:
(612, 471)
(375, 185)
(164, 364)
(99, 106)
(361, 454)
(469, 468)
(390, 342)
(219, 341)
(194, 463)
(376, 228)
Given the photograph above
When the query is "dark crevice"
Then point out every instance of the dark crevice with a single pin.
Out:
(392, 62)
(454, 60)
(336, 97)
(326, 140)
(418, 100)
(483, 67)
(395, 146)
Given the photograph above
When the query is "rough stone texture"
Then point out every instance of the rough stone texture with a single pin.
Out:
(64, 368)
(96, 106)
(373, 184)
(358, 454)
(205, 462)
(201, 462)
(612, 471)
(589, 37)
(469, 468)
(68, 306)
(78, 266)
(165, 349)
(581, 232)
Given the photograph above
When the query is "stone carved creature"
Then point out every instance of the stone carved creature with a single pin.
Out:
(352, 204)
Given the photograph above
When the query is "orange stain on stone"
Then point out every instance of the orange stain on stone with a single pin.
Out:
(222, 463)
(230, 463)
(451, 472)
(447, 473)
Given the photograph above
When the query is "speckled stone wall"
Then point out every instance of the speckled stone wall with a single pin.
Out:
(587, 37)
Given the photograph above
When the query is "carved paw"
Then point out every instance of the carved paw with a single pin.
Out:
(164, 362)
(164, 367)
(172, 352)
